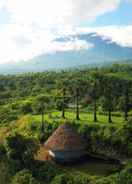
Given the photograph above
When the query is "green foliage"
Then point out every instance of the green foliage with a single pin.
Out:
(61, 179)
(125, 176)
(108, 140)
(108, 92)
(46, 172)
(113, 179)
(26, 107)
(76, 178)
(41, 104)
(20, 151)
(24, 177)
(81, 179)
(60, 103)
(2, 152)
(32, 92)
(4, 172)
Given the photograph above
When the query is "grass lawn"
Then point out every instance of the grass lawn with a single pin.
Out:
(84, 118)
(23, 123)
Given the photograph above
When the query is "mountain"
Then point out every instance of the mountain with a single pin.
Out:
(104, 51)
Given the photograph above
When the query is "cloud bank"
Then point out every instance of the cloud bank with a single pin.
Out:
(49, 13)
(122, 35)
(34, 25)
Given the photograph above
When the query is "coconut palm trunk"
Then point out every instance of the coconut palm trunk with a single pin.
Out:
(77, 105)
(126, 105)
(63, 104)
(95, 111)
(42, 123)
(63, 112)
(95, 101)
(109, 116)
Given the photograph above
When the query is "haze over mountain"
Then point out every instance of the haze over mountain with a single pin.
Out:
(100, 51)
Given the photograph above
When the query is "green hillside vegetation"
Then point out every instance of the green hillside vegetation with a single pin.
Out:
(97, 101)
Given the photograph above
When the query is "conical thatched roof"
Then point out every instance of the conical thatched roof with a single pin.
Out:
(65, 138)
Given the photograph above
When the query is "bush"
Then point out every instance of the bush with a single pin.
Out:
(76, 178)
(4, 173)
(46, 172)
(2, 152)
(20, 151)
(81, 179)
(108, 180)
(24, 177)
(26, 107)
(125, 176)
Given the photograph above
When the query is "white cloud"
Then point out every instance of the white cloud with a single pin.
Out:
(21, 43)
(122, 35)
(56, 12)
(35, 23)
(2, 3)
(72, 45)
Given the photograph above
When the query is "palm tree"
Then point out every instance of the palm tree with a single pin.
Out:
(95, 100)
(126, 89)
(42, 103)
(126, 105)
(94, 91)
(77, 89)
(74, 90)
(109, 95)
(77, 104)
(63, 102)
(62, 91)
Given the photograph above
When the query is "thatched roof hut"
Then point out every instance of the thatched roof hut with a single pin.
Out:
(65, 144)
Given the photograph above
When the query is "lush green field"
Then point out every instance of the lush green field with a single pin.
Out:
(85, 117)
(24, 122)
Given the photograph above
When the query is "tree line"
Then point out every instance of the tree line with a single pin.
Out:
(108, 89)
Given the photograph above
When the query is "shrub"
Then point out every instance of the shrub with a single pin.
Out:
(4, 173)
(26, 107)
(24, 177)
(46, 172)
(20, 151)
(125, 176)
(108, 180)
(2, 152)
(62, 179)
(76, 178)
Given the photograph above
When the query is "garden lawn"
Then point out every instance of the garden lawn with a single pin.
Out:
(24, 123)
(85, 117)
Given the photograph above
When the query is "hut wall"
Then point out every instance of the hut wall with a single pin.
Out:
(67, 156)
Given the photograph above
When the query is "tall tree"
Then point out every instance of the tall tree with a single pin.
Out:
(94, 91)
(62, 91)
(63, 102)
(109, 95)
(95, 100)
(77, 104)
(41, 105)
(76, 88)
(126, 90)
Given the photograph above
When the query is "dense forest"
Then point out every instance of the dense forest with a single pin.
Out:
(98, 102)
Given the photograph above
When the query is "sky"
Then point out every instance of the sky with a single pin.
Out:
(28, 28)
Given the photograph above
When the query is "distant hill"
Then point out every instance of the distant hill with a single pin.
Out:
(103, 52)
